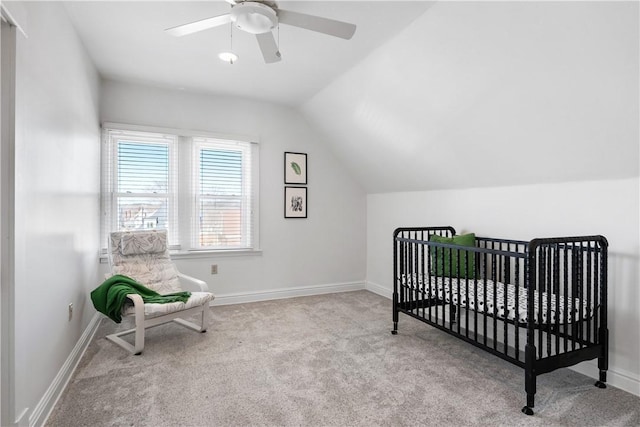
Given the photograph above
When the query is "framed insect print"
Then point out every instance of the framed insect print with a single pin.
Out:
(295, 202)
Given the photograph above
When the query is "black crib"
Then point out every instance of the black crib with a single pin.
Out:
(553, 290)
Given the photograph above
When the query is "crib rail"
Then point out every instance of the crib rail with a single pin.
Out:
(554, 288)
(574, 268)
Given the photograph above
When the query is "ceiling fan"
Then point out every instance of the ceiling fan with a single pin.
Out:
(260, 18)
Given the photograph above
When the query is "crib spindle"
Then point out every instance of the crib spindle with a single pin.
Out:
(549, 292)
(517, 315)
(505, 302)
(567, 296)
(589, 288)
(494, 275)
(540, 287)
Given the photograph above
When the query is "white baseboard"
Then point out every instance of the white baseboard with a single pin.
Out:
(244, 297)
(378, 289)
(618, 378)
(43, 409)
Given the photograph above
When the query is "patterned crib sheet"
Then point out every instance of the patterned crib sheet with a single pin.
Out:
(479, 298)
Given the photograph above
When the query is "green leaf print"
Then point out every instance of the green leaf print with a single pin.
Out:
(296, 168)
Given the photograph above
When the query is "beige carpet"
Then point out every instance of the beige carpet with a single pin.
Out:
(326, 360)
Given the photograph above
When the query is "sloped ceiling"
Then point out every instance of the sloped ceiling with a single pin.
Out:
(127, 43)
(476, 94)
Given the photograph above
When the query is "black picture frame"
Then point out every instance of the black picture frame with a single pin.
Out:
(295, 202)
(295, 168)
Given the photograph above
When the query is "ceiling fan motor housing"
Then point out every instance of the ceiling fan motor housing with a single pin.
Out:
(254, 17)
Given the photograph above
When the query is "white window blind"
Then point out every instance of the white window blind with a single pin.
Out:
(139, 188)
(223, 196)
(213, 188)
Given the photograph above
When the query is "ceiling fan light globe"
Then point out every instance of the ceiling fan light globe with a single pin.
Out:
(253, 17)
(229, 57)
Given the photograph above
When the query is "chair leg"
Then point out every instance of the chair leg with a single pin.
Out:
(115, 338)
(139, 343)
(205, 318)
(140, 326)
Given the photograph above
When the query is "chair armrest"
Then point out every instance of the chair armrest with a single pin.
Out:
(138, 306)
(135, 299)
(193, 282)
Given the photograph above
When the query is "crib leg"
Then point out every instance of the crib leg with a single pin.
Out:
(395, 314)
(603, 360)
(529, 378)
(603, 379)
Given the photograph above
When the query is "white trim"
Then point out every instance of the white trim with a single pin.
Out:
(104, 259)
(43, 409)
(7, 16)
(215, 254)
(616, 377)
(273, 294)
(7, 219)
(378, 289)
(183, 132)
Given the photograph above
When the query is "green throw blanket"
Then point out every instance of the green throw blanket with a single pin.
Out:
(110, 296)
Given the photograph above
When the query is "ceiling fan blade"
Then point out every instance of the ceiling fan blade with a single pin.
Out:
(269, 48)
(203, 24)
(331, 27)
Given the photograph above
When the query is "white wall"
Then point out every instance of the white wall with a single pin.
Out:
(327, 248)
(56, 197)
(610, 208)
(482, 94)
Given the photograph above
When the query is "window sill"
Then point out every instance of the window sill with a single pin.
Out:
(214, 254)
(178, 254)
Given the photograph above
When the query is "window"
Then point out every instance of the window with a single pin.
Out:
(201, 189)
(223, 193)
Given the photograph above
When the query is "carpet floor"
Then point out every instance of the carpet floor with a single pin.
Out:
(326, 360)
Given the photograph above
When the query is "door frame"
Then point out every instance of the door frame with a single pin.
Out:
(7, 211)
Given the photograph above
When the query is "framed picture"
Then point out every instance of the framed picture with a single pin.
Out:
(295, 202)
(295, 168)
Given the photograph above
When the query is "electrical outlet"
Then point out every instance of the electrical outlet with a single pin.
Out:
(70, 311)
(214, 268)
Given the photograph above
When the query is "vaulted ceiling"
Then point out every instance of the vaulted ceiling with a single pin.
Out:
(481, 94)
(127, 42)
(426, 95)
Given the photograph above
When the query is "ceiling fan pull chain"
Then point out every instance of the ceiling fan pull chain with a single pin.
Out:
(231, 38)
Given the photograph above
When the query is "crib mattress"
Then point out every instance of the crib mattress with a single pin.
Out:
(548, 308)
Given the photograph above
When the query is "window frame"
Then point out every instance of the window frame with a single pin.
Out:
(116, 136)
(183, 236)
(206, 143)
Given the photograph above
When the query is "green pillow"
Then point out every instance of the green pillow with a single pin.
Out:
(445, 259)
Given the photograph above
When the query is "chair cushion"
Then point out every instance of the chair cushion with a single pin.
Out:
(155, 270)
(143, 243)
(152, 310)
